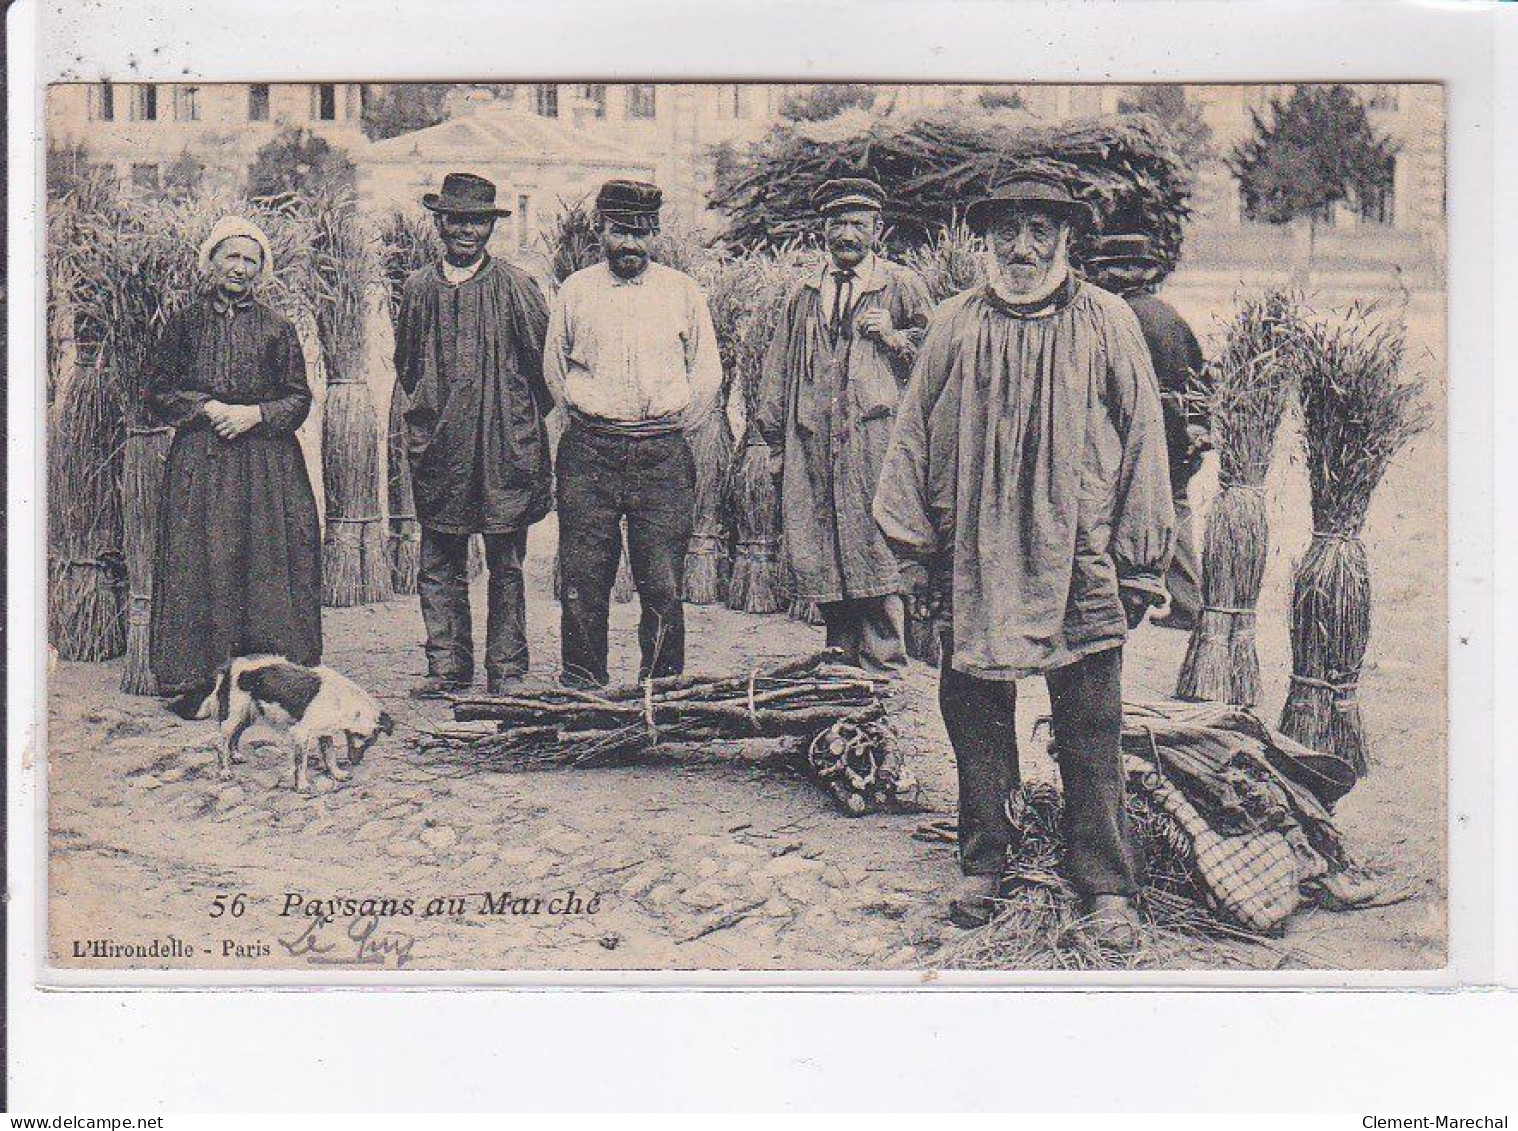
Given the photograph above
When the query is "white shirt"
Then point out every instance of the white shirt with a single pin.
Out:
(631, 349)
(457, 275)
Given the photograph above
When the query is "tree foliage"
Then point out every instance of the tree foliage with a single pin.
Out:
(827, 100)
(296, 162)
(1309, 151)
(391, 109)
(1182, 119)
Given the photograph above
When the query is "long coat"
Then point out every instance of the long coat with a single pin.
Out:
(1030, 452)
(239, 550)
(470, 358)
(1182, 374)
(830, 406)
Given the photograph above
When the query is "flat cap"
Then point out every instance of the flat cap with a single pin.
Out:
(843, 193)
(634, 203)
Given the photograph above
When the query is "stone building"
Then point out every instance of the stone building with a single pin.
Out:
(151, 133)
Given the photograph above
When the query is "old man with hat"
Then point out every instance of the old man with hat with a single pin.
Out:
(631, 357)
(1126, 264)
(1028, 469)
(469, 356)
(837, 363)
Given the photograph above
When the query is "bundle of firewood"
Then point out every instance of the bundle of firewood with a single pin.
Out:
(799, 699)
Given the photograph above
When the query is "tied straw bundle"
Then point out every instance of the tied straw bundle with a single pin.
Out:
(408, 243)
(1251, 387)
(758, 582)
(1358, 412)
(355, 559)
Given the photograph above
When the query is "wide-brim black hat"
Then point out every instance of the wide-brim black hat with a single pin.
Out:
(1022, 192)
(464, 194)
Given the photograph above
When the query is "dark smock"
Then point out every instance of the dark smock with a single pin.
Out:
(470, 358)
(1182, 377)
(239, 554)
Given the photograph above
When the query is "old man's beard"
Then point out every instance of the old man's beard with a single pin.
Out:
(1023, 292)
(628, 261)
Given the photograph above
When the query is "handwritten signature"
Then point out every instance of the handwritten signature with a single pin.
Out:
(368, 946)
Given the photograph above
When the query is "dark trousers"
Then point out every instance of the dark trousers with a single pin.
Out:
(651, 481)
(443, 584)
(1183, 580)
(1087, 701)
(868, 630)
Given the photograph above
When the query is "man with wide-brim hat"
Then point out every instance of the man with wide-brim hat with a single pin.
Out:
(632, 359)
(1027, 479)
(469, 358)
(837, 362)
(1126, 264)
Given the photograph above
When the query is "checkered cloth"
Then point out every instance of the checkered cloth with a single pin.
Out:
(1254, 878)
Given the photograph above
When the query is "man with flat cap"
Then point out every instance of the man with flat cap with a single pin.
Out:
(469, 356)
(1028, 466)
(631, 349)
(1126, 264)
(836, 366)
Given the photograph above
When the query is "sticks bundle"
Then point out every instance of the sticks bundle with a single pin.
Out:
(568, 728)
(355, 561)
(1358, 412)
(1251, 386)
(933, 164)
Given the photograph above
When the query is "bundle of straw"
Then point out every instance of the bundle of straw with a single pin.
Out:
(1358, 411)
(707, 564)
(355, 563)
(748, 292)
(85, 566)
(408, 242)
(1251, 386)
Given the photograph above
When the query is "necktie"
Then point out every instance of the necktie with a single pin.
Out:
(843, 301)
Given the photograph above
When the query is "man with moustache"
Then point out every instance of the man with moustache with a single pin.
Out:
(1028, 467)
(469, 356)
(631, 348)
(836, 366)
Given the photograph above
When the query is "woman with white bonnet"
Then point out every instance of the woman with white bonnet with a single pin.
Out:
(239, 550)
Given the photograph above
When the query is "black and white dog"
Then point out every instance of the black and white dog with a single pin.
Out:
(306, 705)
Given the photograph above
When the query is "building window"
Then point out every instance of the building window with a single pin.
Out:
(545, 100)
(594, 93)
(146, 176)
(524, 221)
(1376, 203)
(102, 101)
(258, 102)
(145, 103)
(640, 100)
(324, 102)
(187, 103)
(737, 100)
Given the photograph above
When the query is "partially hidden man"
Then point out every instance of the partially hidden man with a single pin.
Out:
(1029, 463)
(469, 356)
(835, 369)
(631, 348)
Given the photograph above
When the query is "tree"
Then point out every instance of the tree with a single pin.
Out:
(1182, 119)
(398, 108)
(1001, 98)
(827, 100)
(1317, 148)
(298, 163)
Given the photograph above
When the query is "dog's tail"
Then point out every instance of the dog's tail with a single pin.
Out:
(200, 701)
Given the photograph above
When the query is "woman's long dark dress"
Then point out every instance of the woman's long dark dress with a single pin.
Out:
(239, 553)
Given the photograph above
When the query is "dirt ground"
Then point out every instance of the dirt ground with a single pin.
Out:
(723, 858)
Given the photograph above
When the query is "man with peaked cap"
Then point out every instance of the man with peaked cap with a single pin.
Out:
(1028, 466)
(837, 363)
(1126, 265)
(469, 356)
(631, 349)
